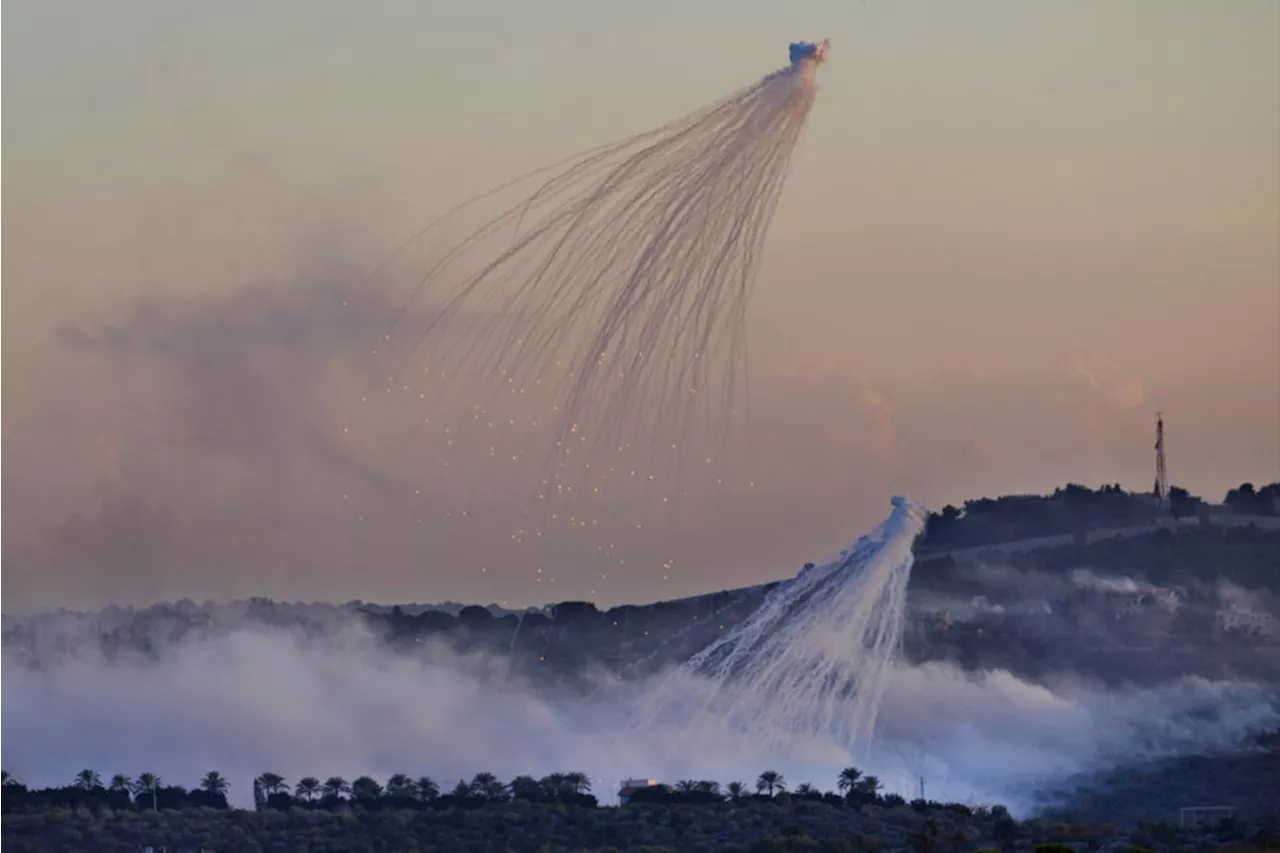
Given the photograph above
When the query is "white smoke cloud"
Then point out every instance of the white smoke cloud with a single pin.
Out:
(1235, 597)
(997, 736)
(259, 699)
(1088, 579)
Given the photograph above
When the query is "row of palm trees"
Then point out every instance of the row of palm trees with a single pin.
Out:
(486, 786)
(770, 783)
(212, 782)
(146, 783)
(483, 786)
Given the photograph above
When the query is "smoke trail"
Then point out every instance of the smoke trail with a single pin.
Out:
(811, 662)
(619, 300)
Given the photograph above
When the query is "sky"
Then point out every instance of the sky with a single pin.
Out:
(1012, 233)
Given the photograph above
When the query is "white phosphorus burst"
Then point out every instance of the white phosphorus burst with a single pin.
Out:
(811, 662)
(618, 289)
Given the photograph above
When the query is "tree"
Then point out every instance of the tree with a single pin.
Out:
(578, 782)
(1241, 499)
(87, 780)
(736, 790)
(709, 786)
(365, 788)
(686, 786)
(770, 782)
(400, 785)
(847, 779)
(1247, 500)
(555, 785)
(335, 787)
(426, 788)
(475, 617)
(925, 839)
(806, 789)
(307, 788)
(214, 783)
(148, 782)
(487, 787)
(120, 784)
(1181, 503)
(527, 788)
(6, 779)
(869, 785)
(272, 783)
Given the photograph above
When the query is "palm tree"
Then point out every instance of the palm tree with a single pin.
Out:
(869, 785)
(848, 779)
(365, 788)
(400, 785)
(272, 783)
(805, 789)
(709, 787)
(736, 790)
(87, 780)
(526, 788)
(554, 785)
(214, 783)
(686, 786)
(307, 788)
(426, 788)
(120, 784)
(335, 787)
(578, 782)
(148, 782)
(487, 786)
(770, 782)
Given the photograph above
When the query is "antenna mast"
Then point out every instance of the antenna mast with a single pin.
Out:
(1162, 476)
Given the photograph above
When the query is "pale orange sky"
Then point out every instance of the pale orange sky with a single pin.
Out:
(1012, 233)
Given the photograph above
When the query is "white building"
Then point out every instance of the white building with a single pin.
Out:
(630, 786)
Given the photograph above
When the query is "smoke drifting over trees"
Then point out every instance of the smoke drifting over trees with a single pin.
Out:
(1003, 697)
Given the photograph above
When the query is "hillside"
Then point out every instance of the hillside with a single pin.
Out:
(1140, 607)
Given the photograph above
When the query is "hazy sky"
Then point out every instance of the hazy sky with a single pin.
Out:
(1013, 232)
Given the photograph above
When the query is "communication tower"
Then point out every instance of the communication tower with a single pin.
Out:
(1162, 476)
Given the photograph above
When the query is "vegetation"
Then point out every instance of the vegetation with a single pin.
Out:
(1074, 509)
(554, 813)
(1247, 781)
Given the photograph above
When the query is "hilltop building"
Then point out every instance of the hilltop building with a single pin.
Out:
(631, 786)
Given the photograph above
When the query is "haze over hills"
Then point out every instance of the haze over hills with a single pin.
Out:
(1069, 633)
(1105, 567)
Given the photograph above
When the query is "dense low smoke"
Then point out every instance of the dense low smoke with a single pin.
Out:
(1087, 579)
(329, 696)
(262, 699)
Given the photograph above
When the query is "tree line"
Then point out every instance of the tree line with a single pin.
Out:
(402, 791)
(1073, 508)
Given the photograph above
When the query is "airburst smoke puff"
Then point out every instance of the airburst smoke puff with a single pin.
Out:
(618, 289)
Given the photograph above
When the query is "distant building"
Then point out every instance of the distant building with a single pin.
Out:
(631, 786)
(1202, 815)
(1245, 622)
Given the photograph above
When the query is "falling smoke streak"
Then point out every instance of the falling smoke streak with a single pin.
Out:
(811, 662)
(623, 291)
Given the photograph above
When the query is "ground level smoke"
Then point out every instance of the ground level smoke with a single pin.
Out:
(252, 698)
